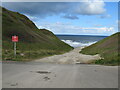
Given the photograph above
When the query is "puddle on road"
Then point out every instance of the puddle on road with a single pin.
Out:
(41, 72)
(14, 84)
(46, 78)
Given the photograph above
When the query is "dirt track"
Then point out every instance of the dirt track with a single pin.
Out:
(71, 57)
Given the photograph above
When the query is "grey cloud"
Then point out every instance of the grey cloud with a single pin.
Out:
(70, 17)
(94, 7)
(41, 9)
(44, 9)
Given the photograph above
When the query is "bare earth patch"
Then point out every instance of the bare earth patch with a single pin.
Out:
(72, 57)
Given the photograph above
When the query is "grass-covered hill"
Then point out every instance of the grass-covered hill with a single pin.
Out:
(33, 42)
(108, 48)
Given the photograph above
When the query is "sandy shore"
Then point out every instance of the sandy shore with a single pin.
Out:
(71, 57)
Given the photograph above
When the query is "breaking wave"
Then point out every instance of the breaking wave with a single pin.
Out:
(78, 44)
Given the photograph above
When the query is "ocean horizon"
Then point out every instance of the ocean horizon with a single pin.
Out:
(80, 40)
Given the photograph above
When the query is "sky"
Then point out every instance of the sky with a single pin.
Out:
(72, 18)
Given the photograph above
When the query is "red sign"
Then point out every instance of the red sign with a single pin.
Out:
(14, 38)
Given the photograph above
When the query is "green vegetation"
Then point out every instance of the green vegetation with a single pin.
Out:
(108, 48)
(33, 42)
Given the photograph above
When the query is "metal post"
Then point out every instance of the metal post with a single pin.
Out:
(15, 49)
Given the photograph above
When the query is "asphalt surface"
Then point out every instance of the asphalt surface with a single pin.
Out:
(44, 75)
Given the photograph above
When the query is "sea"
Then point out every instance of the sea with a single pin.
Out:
(80, 40)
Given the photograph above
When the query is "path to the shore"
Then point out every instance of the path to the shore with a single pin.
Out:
(71, 57)
(67, 74)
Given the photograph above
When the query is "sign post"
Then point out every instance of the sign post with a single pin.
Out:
(15, 49)
(15, 39)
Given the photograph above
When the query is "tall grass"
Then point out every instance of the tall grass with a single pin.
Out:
(108, 49)
(33, 42)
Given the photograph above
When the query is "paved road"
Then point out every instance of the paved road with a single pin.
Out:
(43, 75)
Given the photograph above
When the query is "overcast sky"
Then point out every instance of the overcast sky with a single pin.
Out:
(80, 18)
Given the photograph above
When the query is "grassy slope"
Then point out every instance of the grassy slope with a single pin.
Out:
(107, 48)
(33, 42)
